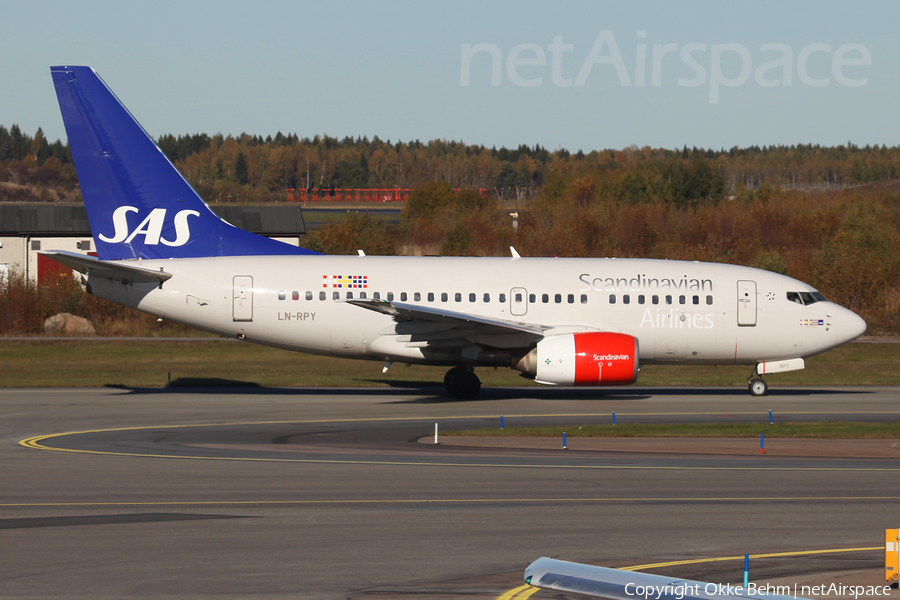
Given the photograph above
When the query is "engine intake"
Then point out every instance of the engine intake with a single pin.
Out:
(590, 358)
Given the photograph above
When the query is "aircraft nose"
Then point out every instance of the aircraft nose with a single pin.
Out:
(849, 325)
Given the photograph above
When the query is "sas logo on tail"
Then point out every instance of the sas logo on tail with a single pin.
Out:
(151, 227)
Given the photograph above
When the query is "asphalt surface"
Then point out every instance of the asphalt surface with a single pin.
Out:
(306, 493)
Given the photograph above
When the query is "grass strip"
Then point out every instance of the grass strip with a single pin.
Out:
(823, 430)
(136, 363)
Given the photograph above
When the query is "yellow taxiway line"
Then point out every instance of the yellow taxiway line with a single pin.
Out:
(35, 442)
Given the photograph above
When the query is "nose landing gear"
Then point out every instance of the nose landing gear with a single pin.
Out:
(758, 387)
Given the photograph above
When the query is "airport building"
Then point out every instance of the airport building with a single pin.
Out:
(27, 229)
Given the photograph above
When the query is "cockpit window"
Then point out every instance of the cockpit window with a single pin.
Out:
(805, 298)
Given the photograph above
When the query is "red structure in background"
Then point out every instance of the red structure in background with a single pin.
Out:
(360, 195)
(50, 271)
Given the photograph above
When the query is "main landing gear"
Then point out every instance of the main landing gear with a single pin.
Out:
(462, 383)
(757, 386)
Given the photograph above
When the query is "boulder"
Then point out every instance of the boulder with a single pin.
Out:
(66, 324)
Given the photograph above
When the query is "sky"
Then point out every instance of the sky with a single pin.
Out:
(577, 75)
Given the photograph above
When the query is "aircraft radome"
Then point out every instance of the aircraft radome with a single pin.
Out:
(560, 321)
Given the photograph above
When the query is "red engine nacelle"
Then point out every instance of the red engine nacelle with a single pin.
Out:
(591, 358)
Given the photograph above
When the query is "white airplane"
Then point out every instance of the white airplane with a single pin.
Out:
(560, 321)
(618, 584)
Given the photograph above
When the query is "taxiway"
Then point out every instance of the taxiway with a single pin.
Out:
(324, 493)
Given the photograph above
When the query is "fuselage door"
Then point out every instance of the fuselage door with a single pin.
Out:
(243, 298)
(746, 308)
(518, 301)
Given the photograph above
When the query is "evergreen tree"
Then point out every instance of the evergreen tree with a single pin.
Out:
(5, 144)
(20, 145)
(240, 169)
(506, 179)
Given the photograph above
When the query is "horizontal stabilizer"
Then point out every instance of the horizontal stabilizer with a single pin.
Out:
(117, 271)
(618, 584)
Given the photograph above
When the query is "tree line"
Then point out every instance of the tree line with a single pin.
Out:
(250, 168)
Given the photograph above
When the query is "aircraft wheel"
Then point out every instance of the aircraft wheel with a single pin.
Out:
(464, 385)
(758, 387)
(451, 374)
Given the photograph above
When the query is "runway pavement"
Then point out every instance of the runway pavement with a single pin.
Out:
(324, 493)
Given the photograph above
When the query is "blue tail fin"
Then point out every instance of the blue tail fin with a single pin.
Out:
(138, 204)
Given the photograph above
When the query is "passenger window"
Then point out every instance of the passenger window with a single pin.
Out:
(695, 299)
(349, 295)
(362, 295)
(612, 298)
(584, 298)
(502, 299)
(709, 300)
(571, 298)
(281, 295)
(376, 295)
(557, 298)
(487, 297)
(403, 296)
(626, 299)
(518, 297)
(295, 295)
(682, 300)
(654, 299)
(336, 296)
(668, 299)
(431, 296)
(545, 298)
(458, 297)
(417, 297)
(322, 295)
(390, 296)
(471, 297)
(532, 298)
(309, 295)
(640, 298)
(444, 296)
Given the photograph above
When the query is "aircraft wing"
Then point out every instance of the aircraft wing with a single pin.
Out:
(618, 584)
(428, 326)
(414, 312)
(115, 270)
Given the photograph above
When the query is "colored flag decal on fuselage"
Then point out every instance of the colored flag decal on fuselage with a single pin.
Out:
(346, 281)
(812, 322)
